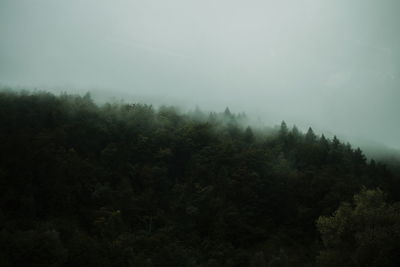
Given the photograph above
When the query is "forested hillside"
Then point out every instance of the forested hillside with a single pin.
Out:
(131, 185)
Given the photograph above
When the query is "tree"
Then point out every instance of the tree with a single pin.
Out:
(335, 142)
(295, 131)
(323, 141)
(365, 233)
(283, 130)
(359, 157)
(248, 135)
(310, 136)
(227, 112)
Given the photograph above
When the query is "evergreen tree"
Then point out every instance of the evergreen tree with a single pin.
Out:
(248, 135)
(295, 131)
(310, 136)
(227, 112)
(283, 130)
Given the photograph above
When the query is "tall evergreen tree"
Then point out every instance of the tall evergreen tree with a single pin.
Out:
(310, 136)
(283, 130)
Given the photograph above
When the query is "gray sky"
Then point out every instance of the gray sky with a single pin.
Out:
(332, 64)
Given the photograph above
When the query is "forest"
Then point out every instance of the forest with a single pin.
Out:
(122, 184)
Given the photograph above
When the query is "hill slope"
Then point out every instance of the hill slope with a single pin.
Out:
(128, 185)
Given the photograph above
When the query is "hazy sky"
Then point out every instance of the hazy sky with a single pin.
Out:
(332, 64)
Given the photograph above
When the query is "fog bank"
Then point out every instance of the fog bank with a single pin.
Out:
(334, 65)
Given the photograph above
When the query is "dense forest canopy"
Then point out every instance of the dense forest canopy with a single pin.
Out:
(83, 184)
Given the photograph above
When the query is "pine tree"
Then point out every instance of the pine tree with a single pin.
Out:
(248, 135)
(310, 136)
(283, 131)
(227, 112)
(295, 131)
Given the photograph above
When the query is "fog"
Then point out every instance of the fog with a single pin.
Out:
(334, 65)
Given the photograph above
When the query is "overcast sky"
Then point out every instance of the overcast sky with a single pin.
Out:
(332, 64)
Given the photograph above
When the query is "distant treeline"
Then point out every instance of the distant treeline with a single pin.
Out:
(131, 185)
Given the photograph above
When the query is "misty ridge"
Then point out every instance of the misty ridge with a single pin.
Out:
(259, 122)
(331, 65)
(125, 184)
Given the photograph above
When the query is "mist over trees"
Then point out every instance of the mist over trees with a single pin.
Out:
(131, 185)
(156, 167)
(334, 65)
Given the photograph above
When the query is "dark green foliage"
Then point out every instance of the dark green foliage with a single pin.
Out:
(283, 131)
(363, 234)
(130, 185)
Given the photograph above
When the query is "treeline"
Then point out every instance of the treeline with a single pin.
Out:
(131, 185)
